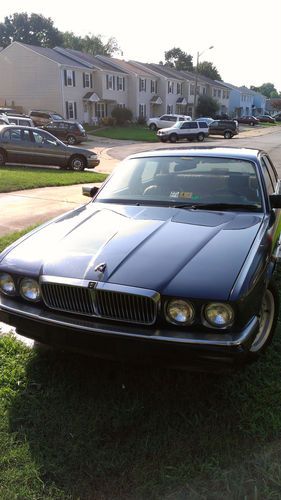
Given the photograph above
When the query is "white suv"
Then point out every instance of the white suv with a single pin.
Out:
(184, 130)
(165, 121)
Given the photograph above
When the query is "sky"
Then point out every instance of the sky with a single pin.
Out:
(245, 34)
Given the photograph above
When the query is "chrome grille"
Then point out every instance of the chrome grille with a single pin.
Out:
(115, 305)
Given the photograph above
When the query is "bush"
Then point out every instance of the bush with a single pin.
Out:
(121, 115)
(108, 121)
(141, 120)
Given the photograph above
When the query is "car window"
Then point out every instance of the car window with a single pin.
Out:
(181, 119)
(214, 123)
(203, 125)
(271, 170)
(268, 181)
(185, 179)
(43, 138)
(164, 117)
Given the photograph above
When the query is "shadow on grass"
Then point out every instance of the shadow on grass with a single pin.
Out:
(104, 430)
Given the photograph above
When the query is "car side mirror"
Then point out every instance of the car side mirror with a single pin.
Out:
(90, 191)
(275, 200)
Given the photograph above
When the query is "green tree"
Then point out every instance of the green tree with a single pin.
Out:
(90, 43)
(208, 69)
(207, 106)
(266, 89)
(33, 29)
(179, 60)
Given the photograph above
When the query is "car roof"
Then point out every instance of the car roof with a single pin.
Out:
(224, 152)
(12, 125)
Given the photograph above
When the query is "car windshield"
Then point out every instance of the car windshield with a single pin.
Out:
(185, 181)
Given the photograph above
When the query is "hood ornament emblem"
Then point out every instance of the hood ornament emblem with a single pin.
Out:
(101, 267)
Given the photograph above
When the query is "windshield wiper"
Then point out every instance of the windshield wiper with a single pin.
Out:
(218, 206)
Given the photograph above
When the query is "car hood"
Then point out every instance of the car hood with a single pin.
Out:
(167, 129)
(174, 251)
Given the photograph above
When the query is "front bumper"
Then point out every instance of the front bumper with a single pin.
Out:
(121, 341)
(92, 162)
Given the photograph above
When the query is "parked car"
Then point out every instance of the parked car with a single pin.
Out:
(41, 117)
(266, 118)
(227, 128)
(35, 146)
(277, 117)
(165, 121)
(174, 258)
(184, 130)
(67, 131)
(207, 119)
(26, 121)
(248, 120)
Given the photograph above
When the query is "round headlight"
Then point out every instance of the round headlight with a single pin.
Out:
(30, 290)
(7, 284)
(219, 315)
(180, 312)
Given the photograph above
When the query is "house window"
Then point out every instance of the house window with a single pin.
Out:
(142, 85)
(142, 110)
(69, 78)
(110, 82)
(87, 80)
(219, 93)
(179, 88)
(100, 109)
(71, 110)
(153, 87)
(204, 90)
(120, 83)
(170, 109)
(192, 89)
(170, 87)
(215, 92)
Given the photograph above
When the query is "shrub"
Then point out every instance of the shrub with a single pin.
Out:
(108, 121)
(141, 120)
(121, 115)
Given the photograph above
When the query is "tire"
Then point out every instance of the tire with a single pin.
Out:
(152, 126)
(227, 135)
(268, 319)
(252, 124)
(163, 139)
(77, 163)
(173, 138)
(71, 139)
(2, 158)
(200, 137)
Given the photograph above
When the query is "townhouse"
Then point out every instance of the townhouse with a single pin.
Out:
(87, 88)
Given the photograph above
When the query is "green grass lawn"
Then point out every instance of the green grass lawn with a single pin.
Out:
(15, 178)
(132, 133)
(78, 428)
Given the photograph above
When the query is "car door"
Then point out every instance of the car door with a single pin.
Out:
(214, 127)
(18, 145)
(47, 150)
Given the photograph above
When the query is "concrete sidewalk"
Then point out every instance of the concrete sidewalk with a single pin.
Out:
(21, 209)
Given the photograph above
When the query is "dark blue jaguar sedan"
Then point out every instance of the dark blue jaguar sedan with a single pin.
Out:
(173, 259)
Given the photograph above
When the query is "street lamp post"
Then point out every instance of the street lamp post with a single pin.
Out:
(196, 77)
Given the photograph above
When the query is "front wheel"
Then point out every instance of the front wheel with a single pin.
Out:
(173, 138)
(227, 135)
(267, 319)
(152, 126)
(71, 140)
(200, 137)
(77, 163)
